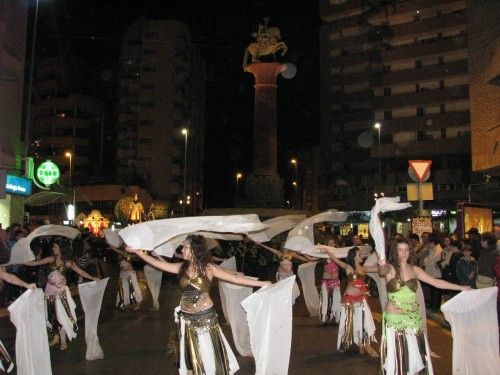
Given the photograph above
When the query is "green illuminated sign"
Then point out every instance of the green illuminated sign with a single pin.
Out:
(48, 173)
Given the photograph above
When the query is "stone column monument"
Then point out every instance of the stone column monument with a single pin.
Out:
(264, 187)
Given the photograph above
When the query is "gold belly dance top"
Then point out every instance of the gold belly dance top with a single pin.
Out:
(195, 296)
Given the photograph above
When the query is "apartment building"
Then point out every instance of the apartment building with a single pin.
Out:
(162, 86)
(403, 66)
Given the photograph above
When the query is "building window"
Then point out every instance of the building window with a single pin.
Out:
(441, 60)
(149, 52)
(417, 87)
(420, 111)
(387, 115)
(387, 91)
(148, 69)
(151, 34)
(418, 64)
(148, 86)
(441, 84)
(147, 104)
(443, 133)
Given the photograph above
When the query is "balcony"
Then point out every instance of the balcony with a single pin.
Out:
(426, 123)
(353, 97)
(67, 142)
(438, 23)
(331, 12)
(425, 73)
(413, 51)
(355, 58)
(422, 149)
(435, 96)
(347, 79)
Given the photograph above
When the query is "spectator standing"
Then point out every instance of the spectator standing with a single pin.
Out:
(485, 276)
(475, 242)
(466, 267)
(432, 268)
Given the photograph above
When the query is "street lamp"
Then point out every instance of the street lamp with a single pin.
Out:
(184, 132)
(295, 185)
(238, 176)
(378, 127)
(294, 162)
(70, 156)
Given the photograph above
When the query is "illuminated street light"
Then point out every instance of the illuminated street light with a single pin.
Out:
(184, 132)
(378, 126)
(238, 177)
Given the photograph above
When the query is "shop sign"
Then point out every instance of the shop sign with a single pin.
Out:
(421, 224)
(18, 185)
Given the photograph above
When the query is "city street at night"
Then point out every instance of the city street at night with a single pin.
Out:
(137, 342)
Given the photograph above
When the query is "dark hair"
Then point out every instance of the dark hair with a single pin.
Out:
(467, 247)
(434, 238)
(201, 256)
(456, 244)
(394, 256)
(413, 236)
(489, 238)
(350, 257)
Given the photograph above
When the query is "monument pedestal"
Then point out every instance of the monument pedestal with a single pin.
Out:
(264, 188)
(264, 191)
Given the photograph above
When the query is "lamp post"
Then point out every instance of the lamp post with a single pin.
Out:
(70, 156)
(185, 134)
(378, 126)
(238, 176)
(294, 162)
(295, 186)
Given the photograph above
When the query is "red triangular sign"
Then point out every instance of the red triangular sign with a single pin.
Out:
(420, 168)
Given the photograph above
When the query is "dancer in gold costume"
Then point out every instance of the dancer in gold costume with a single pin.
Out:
(203, 349)
(60, 304)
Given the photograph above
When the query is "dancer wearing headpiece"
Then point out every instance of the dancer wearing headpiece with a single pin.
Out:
(129, 294)
(6, 363)
(203, 349)
(356, 327)
(404, 349)
(60, 304)
(285, 269)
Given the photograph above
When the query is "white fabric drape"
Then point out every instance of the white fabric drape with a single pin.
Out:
(339, 252)
(151, 234)
(301, 237)
(375, 226)
(372, 260)
(27, 313)
(308, 281)
(269, 316)
(153, 278)
(62, 316)
(91, 296)
(474, 327)
(125, 276)
(275, 226)
(236, 316)
(229, 264)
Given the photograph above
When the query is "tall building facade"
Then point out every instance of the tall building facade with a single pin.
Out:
(162, 88)
(66, 120)
(13, 34)
(404, 66)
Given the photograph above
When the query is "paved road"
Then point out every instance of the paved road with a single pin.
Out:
(136, 342)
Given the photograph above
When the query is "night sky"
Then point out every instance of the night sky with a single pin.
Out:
(92, 30)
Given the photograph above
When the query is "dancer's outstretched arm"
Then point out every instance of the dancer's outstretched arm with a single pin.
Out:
(161, 265)
(13, 279)
(233, 278)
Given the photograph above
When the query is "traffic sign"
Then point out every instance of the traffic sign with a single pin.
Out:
(420, 168)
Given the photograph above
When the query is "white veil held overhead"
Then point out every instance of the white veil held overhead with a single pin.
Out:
(301, 237)
(91, 294)
(275, 226)
(27, 313)
(21, 251)
(473, 319)
(383, 204)
(269, 316)
(151, 234)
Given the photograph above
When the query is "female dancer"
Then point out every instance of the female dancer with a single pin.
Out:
(129, 293)
(60, 304)
(285, 269)
(203, 349)
(356, 326)
(330, 293)
(6, 363)
(404, 348)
